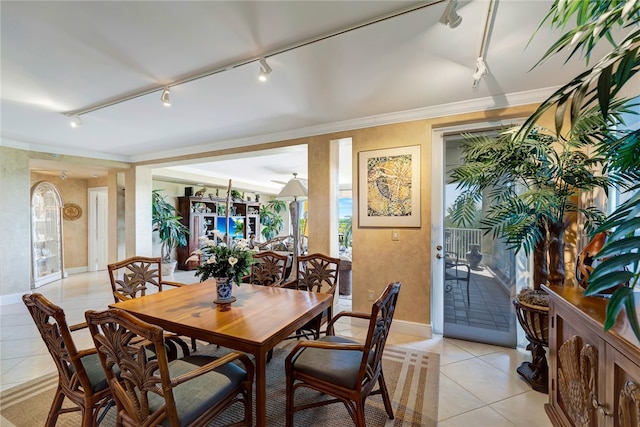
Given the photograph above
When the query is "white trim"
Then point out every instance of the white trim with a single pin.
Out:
(55, 150)
(422, 330)
(460, 107)
(12, 299)
(76, 270)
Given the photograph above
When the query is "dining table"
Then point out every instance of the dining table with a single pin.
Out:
(259, 319)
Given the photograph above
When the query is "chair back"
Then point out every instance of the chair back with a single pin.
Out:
(318, 273)
(269, 269)
(52, 325)
(123, 341)
(382, 313)
(131, 278)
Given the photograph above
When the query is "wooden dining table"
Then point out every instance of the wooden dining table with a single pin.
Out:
(259, 319)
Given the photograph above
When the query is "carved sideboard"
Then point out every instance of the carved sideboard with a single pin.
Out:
(594, 377)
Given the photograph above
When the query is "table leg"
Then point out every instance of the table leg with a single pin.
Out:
(261, 388)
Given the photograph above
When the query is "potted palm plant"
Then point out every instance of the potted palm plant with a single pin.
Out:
(271, 220)
(609, 87)
(529, 183)
(172, 233)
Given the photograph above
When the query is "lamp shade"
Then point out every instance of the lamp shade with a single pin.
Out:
(295, 189)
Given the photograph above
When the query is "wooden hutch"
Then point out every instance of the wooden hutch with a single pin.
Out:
(203, 215)
(594, 376)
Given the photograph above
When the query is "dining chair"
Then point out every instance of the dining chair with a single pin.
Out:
(341, 367)
(316, 273)
(269, 269)
(80, 375)
(190, 391)
(134, 277)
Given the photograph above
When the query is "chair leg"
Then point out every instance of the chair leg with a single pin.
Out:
(385, 396)
(358, 415)
(289, 402)
(52, 418)
(193, 344)
(87, 417)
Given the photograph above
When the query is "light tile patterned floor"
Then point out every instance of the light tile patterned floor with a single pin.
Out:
(478, 383)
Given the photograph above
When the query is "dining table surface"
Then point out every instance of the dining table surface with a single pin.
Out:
(259, 319)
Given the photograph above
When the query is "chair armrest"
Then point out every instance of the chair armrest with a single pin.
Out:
(176, 284)
(346, 314)
(77, 327)
(248, 365)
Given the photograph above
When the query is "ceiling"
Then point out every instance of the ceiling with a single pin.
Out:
(65, 57)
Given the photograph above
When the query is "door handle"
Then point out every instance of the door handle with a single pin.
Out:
(439, 255)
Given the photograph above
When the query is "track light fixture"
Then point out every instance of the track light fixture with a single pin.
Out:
(450, 16)
(75, 121)
(166, 101)
(481, 71)
(265, 70)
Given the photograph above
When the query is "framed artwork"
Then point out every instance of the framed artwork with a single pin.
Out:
(389, 187)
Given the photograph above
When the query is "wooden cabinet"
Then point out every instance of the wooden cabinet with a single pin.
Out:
(203, 215)
(594, 377)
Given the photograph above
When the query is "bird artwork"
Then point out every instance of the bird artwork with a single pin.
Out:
(200, 193)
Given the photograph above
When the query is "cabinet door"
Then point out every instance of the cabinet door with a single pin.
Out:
(579, 377)
(623, 390)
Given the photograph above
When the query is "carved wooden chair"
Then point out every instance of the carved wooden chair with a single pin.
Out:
(190, 391)
(80, 375)
(269, 269)
(316, 273)
(133, 277)
(342, 367)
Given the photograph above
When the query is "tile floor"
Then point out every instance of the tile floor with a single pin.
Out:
(478, 383)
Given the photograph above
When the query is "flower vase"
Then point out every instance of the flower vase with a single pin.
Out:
(224, 288)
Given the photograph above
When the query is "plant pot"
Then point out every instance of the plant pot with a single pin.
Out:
(168, 268)
(474, 257)
(534, 319)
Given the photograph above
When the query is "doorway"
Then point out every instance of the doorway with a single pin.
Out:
(97, 239)
(474, 275)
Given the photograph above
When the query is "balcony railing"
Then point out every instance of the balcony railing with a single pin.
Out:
(458, 239)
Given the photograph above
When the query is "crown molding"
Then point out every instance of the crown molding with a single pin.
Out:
(56, 151)
(480, 104)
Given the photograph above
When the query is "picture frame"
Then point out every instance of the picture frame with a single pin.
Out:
(389, 187)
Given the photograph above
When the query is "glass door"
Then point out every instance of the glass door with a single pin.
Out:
(474, 274)
(46, 234)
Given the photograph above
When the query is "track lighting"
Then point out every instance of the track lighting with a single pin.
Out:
(75, 121)
(265, 69)
(481, 71)
(166, 101)
(450, 16)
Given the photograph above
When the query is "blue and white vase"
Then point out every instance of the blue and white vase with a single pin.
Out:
(224, 288)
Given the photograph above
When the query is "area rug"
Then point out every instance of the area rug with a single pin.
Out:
(412, 378)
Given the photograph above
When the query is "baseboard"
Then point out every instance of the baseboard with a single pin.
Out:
(11, 298)
(76, 270)
(421, 330)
